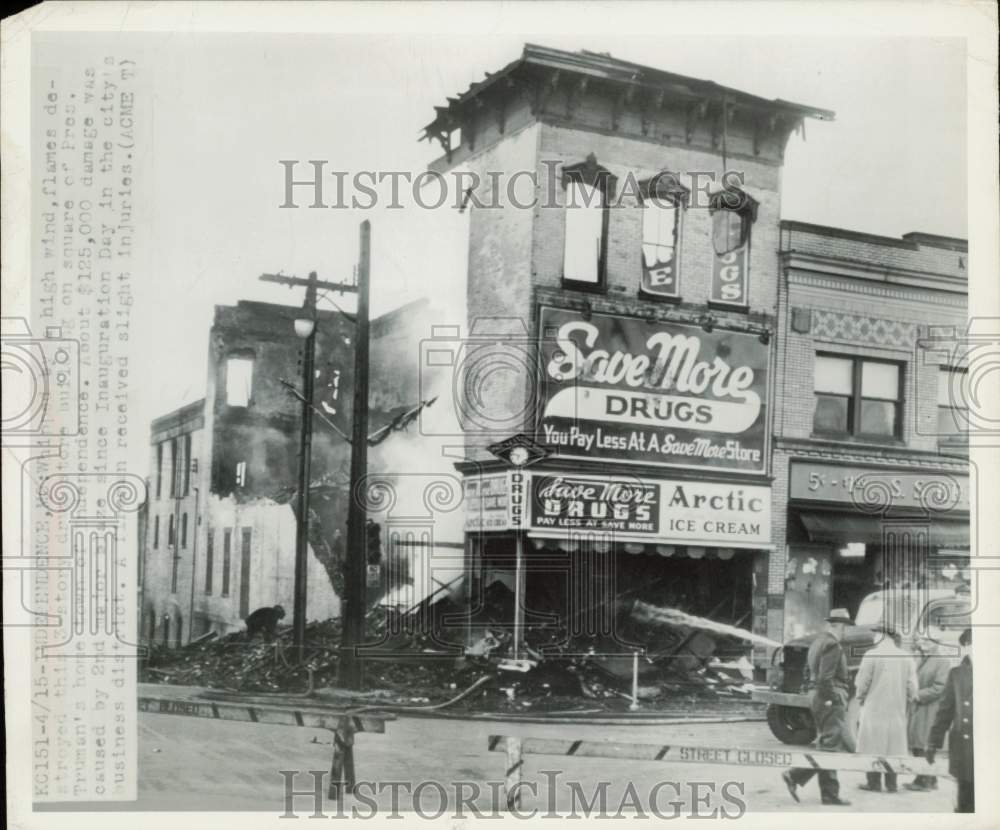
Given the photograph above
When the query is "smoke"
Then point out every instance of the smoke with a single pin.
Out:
(416, 466)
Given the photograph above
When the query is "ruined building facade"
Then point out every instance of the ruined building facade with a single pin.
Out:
(220, 518)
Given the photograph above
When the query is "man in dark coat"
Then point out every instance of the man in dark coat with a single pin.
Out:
(831, 691)
(955, 714)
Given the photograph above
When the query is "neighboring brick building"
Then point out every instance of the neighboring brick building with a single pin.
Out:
(171, 517)
(869, 452)
(675, 261)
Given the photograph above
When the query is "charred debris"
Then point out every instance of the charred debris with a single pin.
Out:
(432, 655)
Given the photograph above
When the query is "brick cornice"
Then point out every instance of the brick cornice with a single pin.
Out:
(803, 448)
(838, 278)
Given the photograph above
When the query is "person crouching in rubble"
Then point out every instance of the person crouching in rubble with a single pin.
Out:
(264, 621)
(932, 677)
(831, 683)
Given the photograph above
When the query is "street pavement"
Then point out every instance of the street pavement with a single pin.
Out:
(194, 764)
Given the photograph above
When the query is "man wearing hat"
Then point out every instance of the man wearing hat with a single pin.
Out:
(955, 713)
(886, 684)
(831, 690)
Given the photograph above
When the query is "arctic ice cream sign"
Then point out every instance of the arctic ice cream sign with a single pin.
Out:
(664, 393)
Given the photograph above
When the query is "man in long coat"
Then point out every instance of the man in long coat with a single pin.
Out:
(831, 691)
(885, 685)
(932, 677)
(955, 713)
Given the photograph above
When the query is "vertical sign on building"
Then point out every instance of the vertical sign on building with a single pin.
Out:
(733, 215)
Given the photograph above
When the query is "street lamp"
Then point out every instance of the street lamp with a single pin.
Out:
(305, 329)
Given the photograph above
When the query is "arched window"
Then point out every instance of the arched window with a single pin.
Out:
(589, 189)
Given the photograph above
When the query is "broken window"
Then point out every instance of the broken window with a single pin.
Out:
(186, 472)
(227, 547)
(159, 469)
(209, 560)
(239, 380)
(246, 537)
(733, 214)
(663, 199)
(588, 188)
(174, 566)
(172, 489)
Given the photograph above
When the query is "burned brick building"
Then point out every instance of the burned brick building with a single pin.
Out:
(220, 521)
(639, 309)
(649, 248)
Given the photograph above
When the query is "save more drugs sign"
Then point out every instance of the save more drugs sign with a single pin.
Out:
(673, 512)
(622, 389)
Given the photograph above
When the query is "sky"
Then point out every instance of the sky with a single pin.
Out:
(226, 108)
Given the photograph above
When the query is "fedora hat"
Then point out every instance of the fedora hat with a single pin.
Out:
(840, 615)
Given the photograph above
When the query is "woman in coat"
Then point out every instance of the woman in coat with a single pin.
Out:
(932, 675)
(886, 683)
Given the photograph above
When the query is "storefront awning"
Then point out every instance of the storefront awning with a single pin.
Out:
(841, 528)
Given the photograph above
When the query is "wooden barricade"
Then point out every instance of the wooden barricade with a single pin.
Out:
(776, 757)
(195, 702)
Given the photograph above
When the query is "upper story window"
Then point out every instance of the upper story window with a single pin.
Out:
(733, 215)
(186, 472)
(663, 202)
(953, 409)
(239, 381)
(859, 397)
(589, 188)
(174, 452)
(159, 469)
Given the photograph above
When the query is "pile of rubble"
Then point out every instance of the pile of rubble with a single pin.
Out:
(429, 665)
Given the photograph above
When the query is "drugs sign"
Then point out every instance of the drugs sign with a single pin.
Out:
(667, 393)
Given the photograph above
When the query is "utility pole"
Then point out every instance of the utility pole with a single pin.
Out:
(305, 475)
(353, 614)
(305, 327)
